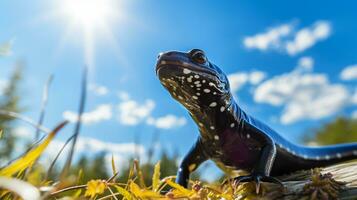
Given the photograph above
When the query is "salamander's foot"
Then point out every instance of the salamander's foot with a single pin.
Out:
(257, 178)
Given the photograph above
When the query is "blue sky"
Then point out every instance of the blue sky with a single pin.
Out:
(293, 65)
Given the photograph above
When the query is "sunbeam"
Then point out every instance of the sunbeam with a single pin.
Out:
(91, 19)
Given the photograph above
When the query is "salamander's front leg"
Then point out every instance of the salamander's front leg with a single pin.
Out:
(262, 169)
(190, 163)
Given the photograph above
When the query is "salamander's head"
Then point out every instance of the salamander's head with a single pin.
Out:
(193, 80)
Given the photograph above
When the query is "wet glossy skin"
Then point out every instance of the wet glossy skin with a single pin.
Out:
(228, 136)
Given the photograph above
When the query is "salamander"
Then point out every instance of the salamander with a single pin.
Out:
(229, 136)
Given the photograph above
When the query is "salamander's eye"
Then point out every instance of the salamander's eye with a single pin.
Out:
(198, 56)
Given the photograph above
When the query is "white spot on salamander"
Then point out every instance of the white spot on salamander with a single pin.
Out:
(198, 94)
(213, 104)
(197, 76)
(186, 71)
(197, 82)
(248, 136)
(203, 81)
(194, 97)
(189, 79)
(338, 155)
(211, 127)
(216, 137)
(207, 90)
(232, 125)
(222, 108)
(211, 84)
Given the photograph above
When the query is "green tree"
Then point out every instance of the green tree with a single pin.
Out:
(9, 100)
(341, 130)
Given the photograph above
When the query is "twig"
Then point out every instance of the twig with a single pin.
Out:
(82, 102)
(25, 119)
(43, 105)
(29, 121)
(112, 177)
(68, 189)
(57, 156)
(108, 196)
(112, 193)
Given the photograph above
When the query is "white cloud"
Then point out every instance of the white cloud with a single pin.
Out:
(122, 151)
(86, 144)
(98, 90)
(349, 73)
(124, 96)
(239, 79)
(101, 113)
(132, 112)
(304, 95)
(269, 39)
(24, 133)
(306, 63)
(92, 145)
(284, 38)
(167, 122)
(308, 37)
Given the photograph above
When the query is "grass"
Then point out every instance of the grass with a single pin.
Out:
(316, 184)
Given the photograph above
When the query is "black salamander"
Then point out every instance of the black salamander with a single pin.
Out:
(230, 137)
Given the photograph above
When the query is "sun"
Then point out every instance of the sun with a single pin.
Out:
(89, 14)
(89, 20)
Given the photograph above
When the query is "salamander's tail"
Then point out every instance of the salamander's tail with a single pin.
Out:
(330, 154)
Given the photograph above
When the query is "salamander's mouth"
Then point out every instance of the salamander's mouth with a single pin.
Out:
(185, 67)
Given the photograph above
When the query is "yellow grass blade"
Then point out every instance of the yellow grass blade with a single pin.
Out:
(156, 177)
(113, 166)
(142, 193)
(124, 193)
(179, 188)
(139, 173)
(28, 159)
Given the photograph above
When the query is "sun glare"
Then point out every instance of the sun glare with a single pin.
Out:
(92, 19)
(89, 13)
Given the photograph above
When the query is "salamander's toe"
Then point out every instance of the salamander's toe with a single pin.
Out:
(242, 179)
(271, 179)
